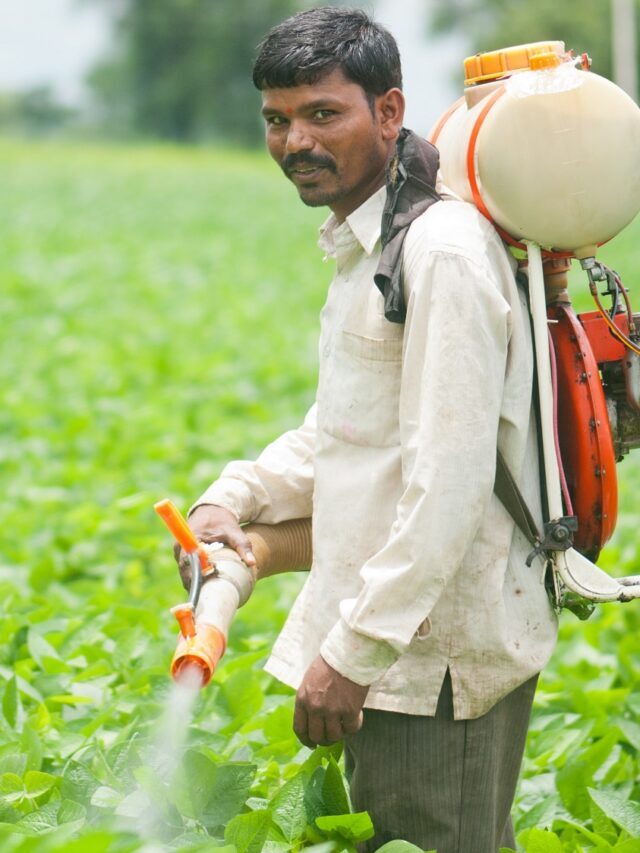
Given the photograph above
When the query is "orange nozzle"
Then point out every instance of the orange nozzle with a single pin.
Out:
(200, 652)
(181, 531)
(184, 615)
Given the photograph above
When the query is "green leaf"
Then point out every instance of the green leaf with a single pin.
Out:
(278, 725)
(11, 788)
(78, 783)
(135, 804)
(13, 759)
(209, 792)
(103, 772)
(288, 808)
(621, 811)
(71, 812)
(350, 827)
(601, 823)
(248, 831)
(197, 843)
(628, 846)
(242, 695)
(541, 815)
(106, 798)
(37, 783)
(313, 800)
(32, 748)
(324, 847)
(398, 846)
(334, 791)
(123, 760)
(631, 731)
(159, 793)
(8, 814)
(11, 702)
(540, 841)
(71, 699)
(42, 821)
(39, 648)
(573, 778)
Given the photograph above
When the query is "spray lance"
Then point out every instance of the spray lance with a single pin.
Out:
(221, 583)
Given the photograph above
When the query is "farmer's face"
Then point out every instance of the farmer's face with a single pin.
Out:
(330, 142)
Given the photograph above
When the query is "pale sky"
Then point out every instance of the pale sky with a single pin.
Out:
(430, 66)
(50, 42)
(55, 42)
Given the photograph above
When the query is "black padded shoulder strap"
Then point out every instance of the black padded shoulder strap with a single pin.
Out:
(411, 180)
(506, 489)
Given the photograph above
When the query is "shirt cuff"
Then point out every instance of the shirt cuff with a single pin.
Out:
(356, 656)
(230, 494)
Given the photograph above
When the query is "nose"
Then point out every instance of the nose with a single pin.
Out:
(298, 138)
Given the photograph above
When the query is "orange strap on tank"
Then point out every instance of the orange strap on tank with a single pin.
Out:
(444, 118)
(181, 531)
(471, 163)
(475, 188)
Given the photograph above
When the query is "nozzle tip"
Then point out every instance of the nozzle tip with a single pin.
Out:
(191, 673)
(202, 652)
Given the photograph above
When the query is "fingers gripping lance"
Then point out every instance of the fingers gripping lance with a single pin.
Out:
(195, 551)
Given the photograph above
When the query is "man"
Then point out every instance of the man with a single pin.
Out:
(419, 607)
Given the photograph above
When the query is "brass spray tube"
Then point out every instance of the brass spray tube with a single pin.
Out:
(284, 547)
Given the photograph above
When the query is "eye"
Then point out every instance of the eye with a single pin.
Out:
(275, 121)
(323, 115)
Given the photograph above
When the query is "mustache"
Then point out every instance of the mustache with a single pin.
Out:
(296, 161)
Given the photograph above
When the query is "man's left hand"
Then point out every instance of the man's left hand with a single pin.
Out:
(328, 706)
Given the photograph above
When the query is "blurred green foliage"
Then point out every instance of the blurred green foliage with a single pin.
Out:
(182, 69)
(34, 112)
(584, 25)
(160, 317)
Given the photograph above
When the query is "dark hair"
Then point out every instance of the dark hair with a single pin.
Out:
(309, 45)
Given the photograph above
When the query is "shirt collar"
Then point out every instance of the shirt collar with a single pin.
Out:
(364, 224)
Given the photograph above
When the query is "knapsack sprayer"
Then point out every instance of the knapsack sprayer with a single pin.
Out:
(549, 152)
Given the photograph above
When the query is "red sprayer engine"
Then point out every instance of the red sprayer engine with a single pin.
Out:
(596, 381)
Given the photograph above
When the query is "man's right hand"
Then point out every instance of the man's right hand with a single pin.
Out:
(214, 524)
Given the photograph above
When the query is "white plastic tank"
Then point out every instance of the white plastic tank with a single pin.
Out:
(548, 150)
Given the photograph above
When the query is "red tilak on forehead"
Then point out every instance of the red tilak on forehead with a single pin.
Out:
(289, 110)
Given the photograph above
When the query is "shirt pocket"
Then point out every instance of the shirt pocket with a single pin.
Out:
(359, 390)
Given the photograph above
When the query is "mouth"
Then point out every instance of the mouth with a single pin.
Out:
(305, 173)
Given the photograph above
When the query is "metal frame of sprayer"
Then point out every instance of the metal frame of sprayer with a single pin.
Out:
(572, 570)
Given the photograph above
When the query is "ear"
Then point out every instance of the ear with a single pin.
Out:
(390, 111)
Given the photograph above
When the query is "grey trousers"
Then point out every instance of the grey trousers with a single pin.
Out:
(443, 784)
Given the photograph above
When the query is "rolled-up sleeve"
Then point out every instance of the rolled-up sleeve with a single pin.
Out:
(454, 363)
(276, 487)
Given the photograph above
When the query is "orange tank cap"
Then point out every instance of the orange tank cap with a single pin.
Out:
(549, 59)
(495, 64)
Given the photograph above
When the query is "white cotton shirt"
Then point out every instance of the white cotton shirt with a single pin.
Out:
(417, 566)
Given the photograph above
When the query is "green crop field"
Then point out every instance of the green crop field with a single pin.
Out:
(159, 317)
